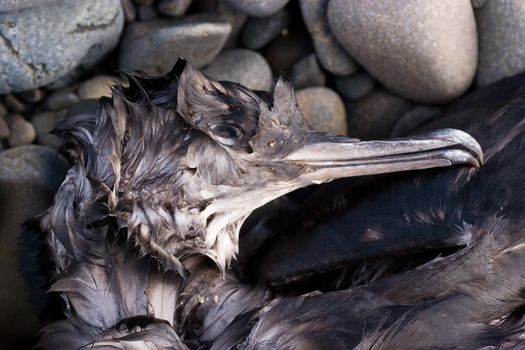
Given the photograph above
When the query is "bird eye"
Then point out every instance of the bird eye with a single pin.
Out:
(226, 133)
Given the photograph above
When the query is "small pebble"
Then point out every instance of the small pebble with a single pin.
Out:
(130, 12)
(97, 87)
(374, 116)
(246, 67)
(147, 12)
(307, 72)
(259, 31)
(4, 129)
(355, 86)
(330, 53)
(45, 122)
(173, 8)
(258, 8)
(32, 96)
(283, 52)
(14, 104)
(501, 31)
(22, 132)
(61, 99)
(412, 119)
(323, 109)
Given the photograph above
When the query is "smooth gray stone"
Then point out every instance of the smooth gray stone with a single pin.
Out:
(39, 45)
(44, 123)
(98, 86)
(323, 109)
(154, 46)
(242, 66)
(22, 132)
(306, 73)
(374, 116)
(63, 98)
(259, 31)
(426, 51)
(355, 86)
(29, 177)
(501, 31)
(173, 8)
(330, 53)
(258, 8)
(11, 5)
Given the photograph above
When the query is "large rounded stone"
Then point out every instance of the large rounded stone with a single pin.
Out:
(242, 66)
(29, 177)
(11, 5)
(154, 46)
(501, 30)
(258, 8)
(423, 50)
(259, 31)
(42, 44)
(323, 109)
(330, 53)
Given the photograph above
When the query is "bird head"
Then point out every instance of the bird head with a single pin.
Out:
(180, 161)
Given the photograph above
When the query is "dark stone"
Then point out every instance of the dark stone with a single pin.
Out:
(130, 12)
(283, 52)
(259, 31)
(412, 119)
(258, 8)
(147, 13)
(14, 104)
(355, 86)
(173, 8)
(32, 96)
(307, 72)
(62, 99)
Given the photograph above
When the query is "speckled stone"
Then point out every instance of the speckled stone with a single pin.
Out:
(154, 46)
(246, 67)
(413, 118)
(44, 123)
(323, 109)
(12, 5)
(501, 30)
(330, 53)
(259, 31)
(259, 8)
(373, 117)
(173, 8)
(306, 73)
(355, 86)
(29, 177)
(423, 50)
(22, 131)
(97, 87)
(43, 44)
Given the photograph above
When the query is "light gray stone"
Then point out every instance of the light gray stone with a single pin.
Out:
(355, 86)
(259, 8)
(423, 50)
(242, 66)
(307, 73)
(259, 31)
(374, 116)
(330, 53)
(154, 46)
(501, 30)
(29, 177)
(39, 45)
(323, 109)
(12, 5)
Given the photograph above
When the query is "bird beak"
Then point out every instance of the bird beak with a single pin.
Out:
(326, 157)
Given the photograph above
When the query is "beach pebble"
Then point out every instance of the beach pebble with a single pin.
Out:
(425, 51)
(355, 86)
(330, 53)
(97, 87)
(501, 28)
(259, 8)
(62, 98)
(306, 72)
(44, 123)
(323, 109)
(246, 67)
(32, 96)
(29, 177)
(374, 116)
(259, 31)
(154, 46)
(22, 131)
(173, 8)
(43, 44)
(283, 52)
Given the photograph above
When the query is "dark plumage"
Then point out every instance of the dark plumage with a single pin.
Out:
(147, 220)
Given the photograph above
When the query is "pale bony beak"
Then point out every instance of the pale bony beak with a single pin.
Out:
(342, 157)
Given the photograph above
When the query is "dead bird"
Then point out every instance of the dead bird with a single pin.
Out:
(147, 220)
(470, 295)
